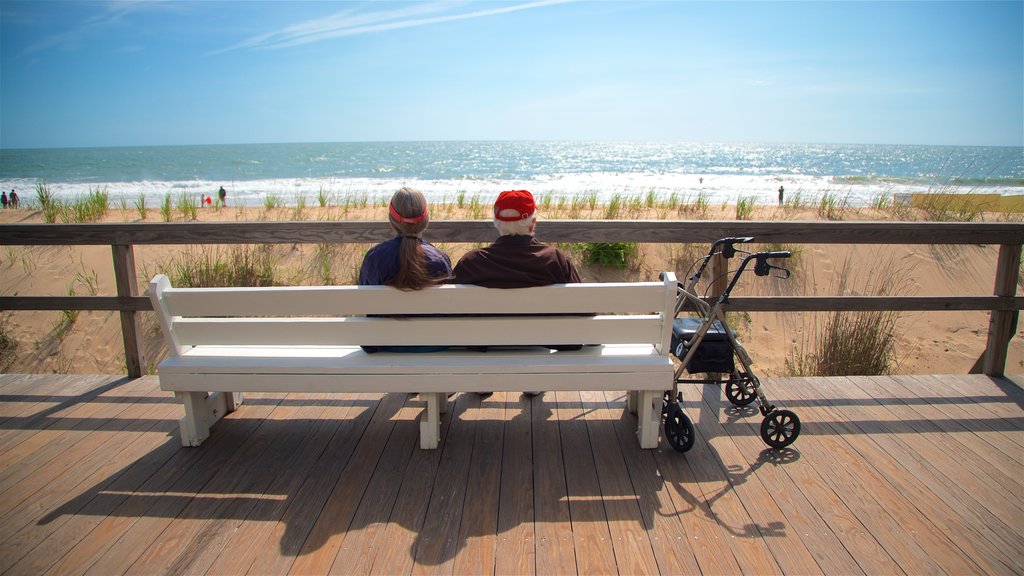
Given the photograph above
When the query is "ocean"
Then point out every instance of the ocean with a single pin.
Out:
(721, 172)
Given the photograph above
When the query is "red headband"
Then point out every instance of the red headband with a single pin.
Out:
(406, 219)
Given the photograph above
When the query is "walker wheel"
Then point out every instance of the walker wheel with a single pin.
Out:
(780, 428)
(740, 392)
(678, 429)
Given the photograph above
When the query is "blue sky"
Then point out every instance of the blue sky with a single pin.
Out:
(153, 73)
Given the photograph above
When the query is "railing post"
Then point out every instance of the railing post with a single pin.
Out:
(1002, 323)
(124, 278)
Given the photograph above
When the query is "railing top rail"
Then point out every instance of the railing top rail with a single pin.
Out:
(654, 231)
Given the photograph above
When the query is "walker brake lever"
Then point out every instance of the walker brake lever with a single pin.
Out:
(728, 245)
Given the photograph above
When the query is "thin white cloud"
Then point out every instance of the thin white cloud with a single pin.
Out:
(350, 22)
(112, 14)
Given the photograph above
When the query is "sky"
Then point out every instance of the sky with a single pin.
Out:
(136, 73)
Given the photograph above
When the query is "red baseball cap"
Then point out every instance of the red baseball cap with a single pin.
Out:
(516, 205)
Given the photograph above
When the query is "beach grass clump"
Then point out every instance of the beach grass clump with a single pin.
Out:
(619, 255)
(299, 210)
(745, 207)
(795, 201)
(613, 208)
(188, 207)
(240, 265)
(833, 206)
(698, 208)
(272, 200)
(140, 206)
(323, 198)
(166, 213)
(8, 346)
(45, 199)
(854, 343)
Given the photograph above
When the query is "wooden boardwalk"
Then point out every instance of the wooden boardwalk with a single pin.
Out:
(891, 475)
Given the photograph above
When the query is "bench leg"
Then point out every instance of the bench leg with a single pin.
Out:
(202, 410)
(649, 418)
(430, 421)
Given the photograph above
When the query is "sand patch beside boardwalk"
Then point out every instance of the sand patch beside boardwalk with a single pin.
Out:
(929, 342)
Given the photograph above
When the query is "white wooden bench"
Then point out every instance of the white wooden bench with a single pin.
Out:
(226, 341)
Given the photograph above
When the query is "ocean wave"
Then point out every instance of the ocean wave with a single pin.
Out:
(716, 188)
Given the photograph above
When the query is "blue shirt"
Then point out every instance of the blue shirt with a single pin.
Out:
(381, 262)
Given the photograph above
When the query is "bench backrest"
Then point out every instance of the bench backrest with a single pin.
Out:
(588, 313)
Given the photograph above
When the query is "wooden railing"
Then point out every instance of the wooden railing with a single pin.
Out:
(1003, 305)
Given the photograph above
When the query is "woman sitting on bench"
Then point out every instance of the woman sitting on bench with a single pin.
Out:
(406, 262)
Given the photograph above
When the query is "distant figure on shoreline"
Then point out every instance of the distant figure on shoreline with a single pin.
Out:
(14, 200)
(222, 195)
(782, 191)
(3, 199)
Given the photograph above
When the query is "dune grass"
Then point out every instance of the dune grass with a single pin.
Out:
(854, 343)
(205, 267)
(8, 346)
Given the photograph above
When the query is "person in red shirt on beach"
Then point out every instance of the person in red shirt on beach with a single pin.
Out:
(516, 259)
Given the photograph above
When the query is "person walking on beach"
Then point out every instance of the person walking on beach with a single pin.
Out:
(222, 196)
(3, 199)
(781, 192)
(14, 200)
(516, 259)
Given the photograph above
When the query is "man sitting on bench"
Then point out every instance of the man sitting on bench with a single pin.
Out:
(516, 259)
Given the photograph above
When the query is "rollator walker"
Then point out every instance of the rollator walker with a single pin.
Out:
(707, 344)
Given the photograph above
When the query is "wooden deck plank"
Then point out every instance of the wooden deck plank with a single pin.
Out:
(273, 455)
(70, 512)
(891, 474)
(778, 527)
(669, 541)
(363, 540)
(94, 424)
(592, 541)
(277, 553)
(410, 510)
(980, 536)
(34, 440)
(324, 538)
(952, 435)
(909, 538)
(777, 472)
(634, 553)
(910, 439)
(435, 548)
(556, 552)
(478, 529)
(163, 510)
(844, 525)
(248, 537)
(711, 471)
(977, 407)
(515, 548)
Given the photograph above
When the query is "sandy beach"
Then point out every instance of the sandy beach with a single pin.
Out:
(928, 343)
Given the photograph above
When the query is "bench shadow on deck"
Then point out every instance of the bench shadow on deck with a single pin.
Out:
(915, 474)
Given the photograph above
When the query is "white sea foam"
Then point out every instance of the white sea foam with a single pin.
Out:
(716, 188)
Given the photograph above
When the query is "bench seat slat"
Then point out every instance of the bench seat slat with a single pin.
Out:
(344, 360)
(470, 382)
(431, 331)
(617, 298)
